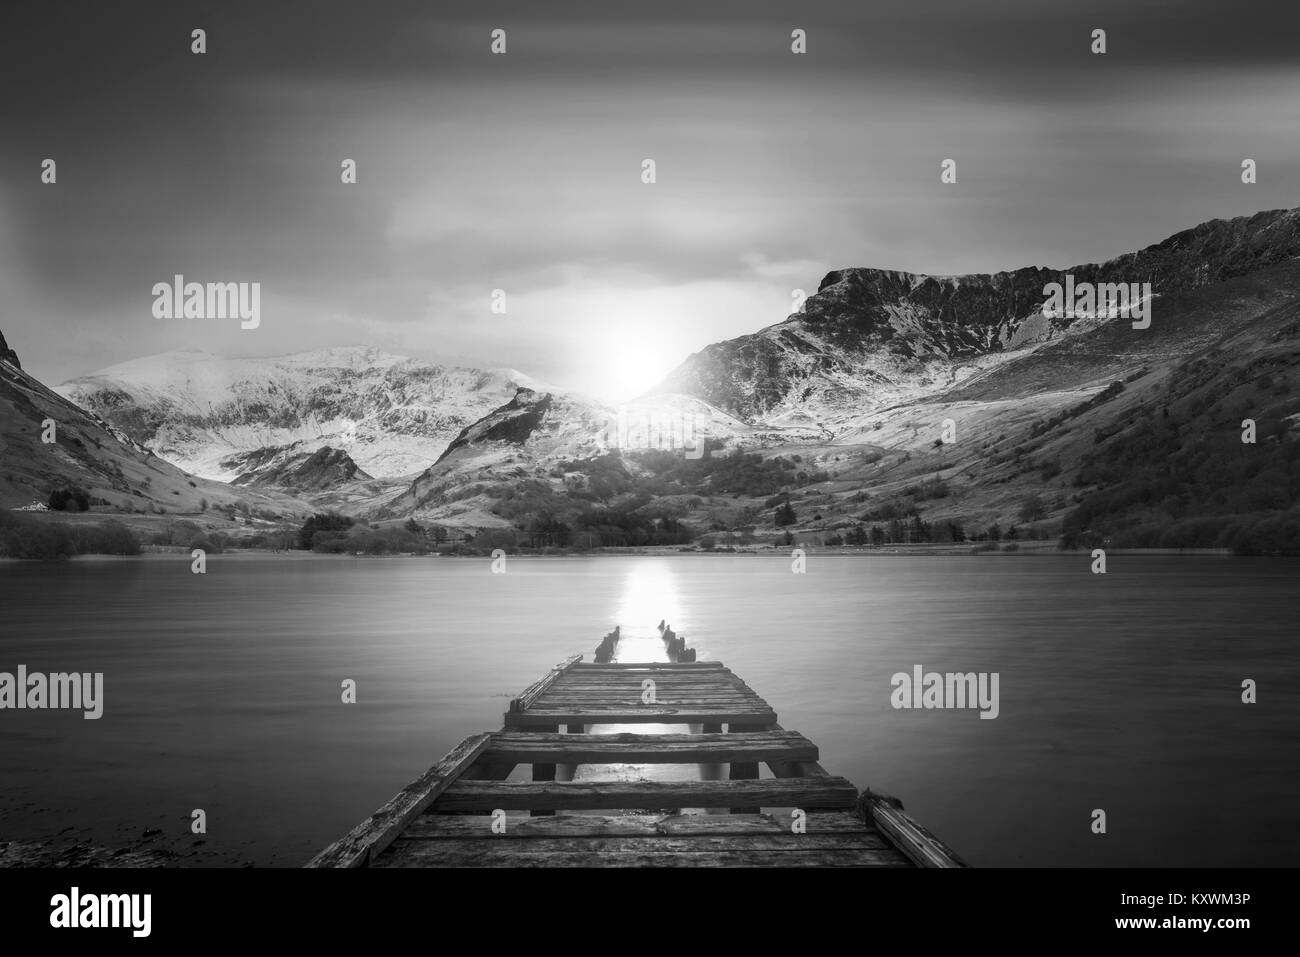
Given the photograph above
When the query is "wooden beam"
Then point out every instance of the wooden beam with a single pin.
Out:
(630, 692)
(758, 850)
(910, 837)
(633, 673)
(438, 826)
(523, 747)
(531, 693)
(611, 702)
(796, 767)
(485, 796)
(616, 667)
(644, 714)
(360, 845)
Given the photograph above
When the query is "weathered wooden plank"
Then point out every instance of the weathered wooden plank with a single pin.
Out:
(360, 845)
(628, 697)
(675, 672)
(828, 822)
(641, 852)
(614, 672)
(775, 841)
(484, 796)
(479, 826)
(703, 672)
(558, 702)
(796, 767)
(541, 684)
(521, 747)
(661, 687)
(914, 840)
(635, 687)
(650, 666)
(643, 714)
(740, 707)
(733, 702)
(661, 691)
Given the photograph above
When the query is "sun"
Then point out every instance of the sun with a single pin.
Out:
(629, 360)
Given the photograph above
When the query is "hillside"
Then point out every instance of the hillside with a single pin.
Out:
(895, 408)
(870, 339)
(116, 473)
(831, 426)
(392, 415)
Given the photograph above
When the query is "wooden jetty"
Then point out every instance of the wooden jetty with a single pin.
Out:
(456, 813)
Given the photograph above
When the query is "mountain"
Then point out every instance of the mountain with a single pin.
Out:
(326, 478)
(7, 354)
(86, 453)
(391, 415)
(896, 407)
(541, 439)
(900, 407)
(870, 339)
(291, 468)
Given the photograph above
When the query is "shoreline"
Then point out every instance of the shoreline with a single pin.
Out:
(157, 553)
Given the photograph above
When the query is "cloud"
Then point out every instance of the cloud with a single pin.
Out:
(523, 172)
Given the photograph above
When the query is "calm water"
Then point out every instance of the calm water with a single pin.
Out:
(222, 691)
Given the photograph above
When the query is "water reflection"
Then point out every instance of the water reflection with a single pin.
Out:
(649, 595)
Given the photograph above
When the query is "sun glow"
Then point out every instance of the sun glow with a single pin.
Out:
(649, 596)
(630, 337)
(630, 359)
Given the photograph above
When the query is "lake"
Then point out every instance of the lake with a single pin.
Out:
(223, 691)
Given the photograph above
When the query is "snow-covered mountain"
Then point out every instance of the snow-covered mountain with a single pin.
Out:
(48, 443)
(872, 339)
(890, 394)
(899, 394)
(536, 435)
(212, 416)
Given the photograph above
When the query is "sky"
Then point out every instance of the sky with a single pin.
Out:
(522, 172)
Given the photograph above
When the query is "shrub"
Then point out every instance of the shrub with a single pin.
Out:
(326, 524)
(108, 538)
(37, 540)
(1032, 509)
(72, 499)
(23, 537)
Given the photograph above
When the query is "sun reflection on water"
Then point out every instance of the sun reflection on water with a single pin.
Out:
(649, 596)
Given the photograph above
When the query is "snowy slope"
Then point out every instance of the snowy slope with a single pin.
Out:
(392, 415)
(873, 339)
